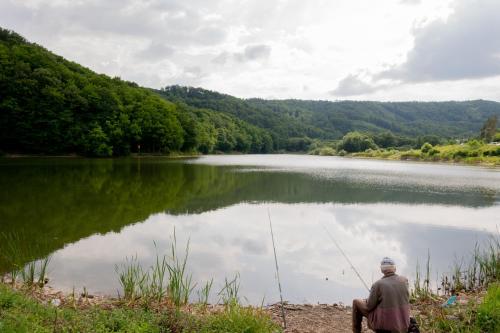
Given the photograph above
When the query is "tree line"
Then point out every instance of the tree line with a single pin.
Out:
(51, 105)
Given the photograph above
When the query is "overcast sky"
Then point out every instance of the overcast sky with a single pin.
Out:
(314, 49)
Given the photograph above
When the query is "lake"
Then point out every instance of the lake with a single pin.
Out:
(91, 214)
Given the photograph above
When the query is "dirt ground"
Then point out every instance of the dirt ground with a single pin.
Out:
(320, 318)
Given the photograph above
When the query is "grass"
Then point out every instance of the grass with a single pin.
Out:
(469, 318)
(467, 277)
(20, 313)
(167, 277)
(20, 256)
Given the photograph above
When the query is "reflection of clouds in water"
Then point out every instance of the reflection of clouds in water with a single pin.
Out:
(237, 239)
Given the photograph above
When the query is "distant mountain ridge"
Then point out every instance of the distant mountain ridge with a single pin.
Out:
(331, 120)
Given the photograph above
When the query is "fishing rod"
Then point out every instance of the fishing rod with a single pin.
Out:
(277, 269)
(345, 256)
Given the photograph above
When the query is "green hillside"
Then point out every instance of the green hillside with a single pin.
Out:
(51, 105)
(331, 120)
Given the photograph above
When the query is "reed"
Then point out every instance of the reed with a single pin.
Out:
(131, 278)
(180, 285)
(477, 271)
(204, 292)
(229, 294)
(167, 277)
(21, 258)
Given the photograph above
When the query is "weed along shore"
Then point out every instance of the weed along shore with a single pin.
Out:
(164, 298)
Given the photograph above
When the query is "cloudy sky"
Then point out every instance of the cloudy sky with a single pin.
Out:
(315, 49)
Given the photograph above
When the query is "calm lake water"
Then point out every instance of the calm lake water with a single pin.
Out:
(91, 214)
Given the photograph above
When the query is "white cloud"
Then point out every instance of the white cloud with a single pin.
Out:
(265, 48)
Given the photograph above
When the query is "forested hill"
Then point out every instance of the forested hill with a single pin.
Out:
(51, 105)
(331, 120)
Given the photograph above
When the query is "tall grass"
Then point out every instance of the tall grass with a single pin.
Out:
(477, 271)
(166, 278)
(229, 294)
(204, 292)
(180, 284)
(21, 257)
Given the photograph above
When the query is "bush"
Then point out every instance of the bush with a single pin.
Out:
(354, 142)
(492, 152)
(326, 151)
(426, 147)
(460, 154)
(433, 152)
(474, 144)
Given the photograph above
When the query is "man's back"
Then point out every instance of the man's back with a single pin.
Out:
(388, 304)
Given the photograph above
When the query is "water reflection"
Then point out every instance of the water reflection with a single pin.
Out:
(236, 239)
(95, 212)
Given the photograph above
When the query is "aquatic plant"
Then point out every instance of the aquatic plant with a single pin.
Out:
(153, 284)
(180, 284)
(229, 294)
(204, 292)
(20, 256)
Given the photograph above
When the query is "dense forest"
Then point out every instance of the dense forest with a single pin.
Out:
(50, 105)
(294, 122)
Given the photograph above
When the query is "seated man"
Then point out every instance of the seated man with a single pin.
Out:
(387, 308)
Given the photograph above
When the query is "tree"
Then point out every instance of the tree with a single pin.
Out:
(355, 142)
(489, 129)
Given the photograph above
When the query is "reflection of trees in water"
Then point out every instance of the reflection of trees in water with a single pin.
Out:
(65, 200)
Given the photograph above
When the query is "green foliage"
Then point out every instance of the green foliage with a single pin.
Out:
(488, 313)
(51, 105)
(489, 129)
(393, 124)
(239, 319)
(474, 144)
(356, 142)
(20, 314)
(426, 147)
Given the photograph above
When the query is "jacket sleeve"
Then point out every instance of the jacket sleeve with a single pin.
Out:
(374, 298)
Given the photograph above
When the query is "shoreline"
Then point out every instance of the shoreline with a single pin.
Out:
(301, 318)
(354, 156)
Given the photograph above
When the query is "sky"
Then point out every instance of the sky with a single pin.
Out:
(388, 50)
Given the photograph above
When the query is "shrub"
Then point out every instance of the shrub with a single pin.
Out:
(356, 142)
(474, 144)
(426, 147)
(492, 152)
(473, 153)
(433, 152)
(460, 154)
(326, 151)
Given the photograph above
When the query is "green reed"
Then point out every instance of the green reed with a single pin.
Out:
(21, 258)
(204, 292)
(229, 294)
(167, 277)
(477, 271)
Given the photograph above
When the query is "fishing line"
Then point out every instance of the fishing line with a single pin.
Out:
(277, 269)
(345, 256)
